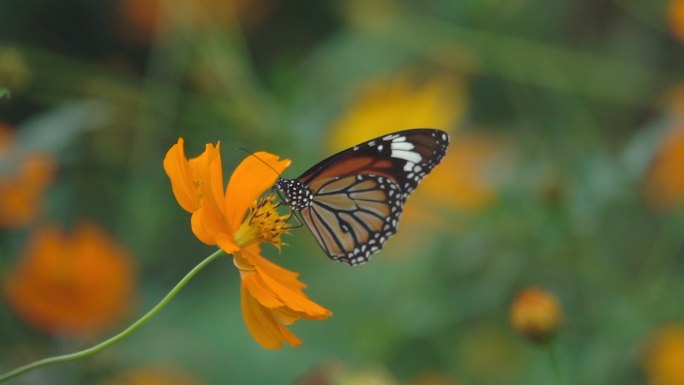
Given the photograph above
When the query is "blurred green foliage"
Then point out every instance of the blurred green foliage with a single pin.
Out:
(578, 89)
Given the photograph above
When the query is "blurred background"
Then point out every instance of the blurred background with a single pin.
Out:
(565, 173)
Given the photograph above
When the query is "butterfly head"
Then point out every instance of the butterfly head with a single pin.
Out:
(294, 193)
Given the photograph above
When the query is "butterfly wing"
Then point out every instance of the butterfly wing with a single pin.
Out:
(405, 157)
(351, 217)
(359, 193)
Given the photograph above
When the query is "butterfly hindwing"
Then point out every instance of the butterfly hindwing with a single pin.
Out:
(352, 201)
(351, 217)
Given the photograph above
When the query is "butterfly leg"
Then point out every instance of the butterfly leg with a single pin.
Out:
(299, 221)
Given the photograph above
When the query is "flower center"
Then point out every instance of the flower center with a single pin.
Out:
(263, 224)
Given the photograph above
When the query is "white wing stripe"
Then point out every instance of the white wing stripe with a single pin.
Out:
(407, 155)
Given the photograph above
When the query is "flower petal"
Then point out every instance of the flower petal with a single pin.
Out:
(286, 277)
(285, 316)
(254, 175)
(226, 243)
(208, 172)
(260, 291)
(198, 186)
(262, 324)
(178, 169)
(198, 229)
(283, 285)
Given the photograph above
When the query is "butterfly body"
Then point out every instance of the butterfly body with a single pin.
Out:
(296, 195)
(352, 201)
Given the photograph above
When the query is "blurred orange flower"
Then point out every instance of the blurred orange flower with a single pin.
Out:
(465, 180)
(386, 106)
(153, 376)
(22, 188)
(664, 360)
(536, 314)
(664, 188)
(75, 284)
(142, 17)
(237, 220)
(337, 373)
(469, 178)
(676, 16)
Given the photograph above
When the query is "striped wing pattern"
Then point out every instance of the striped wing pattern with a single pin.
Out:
(352, 201)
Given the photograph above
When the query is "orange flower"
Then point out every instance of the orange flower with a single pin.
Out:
(676, 16)
(536, 314)
(237, 220)
(385, 106)
(334, 372)
(142, 17)
(74, 284)
(664, 361)
(21, 191)
(664, 188)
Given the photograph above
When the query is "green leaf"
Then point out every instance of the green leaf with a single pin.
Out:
(4, 92)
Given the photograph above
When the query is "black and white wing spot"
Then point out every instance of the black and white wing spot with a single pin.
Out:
(417, 154)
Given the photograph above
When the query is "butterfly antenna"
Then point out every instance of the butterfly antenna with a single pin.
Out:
(262, 161)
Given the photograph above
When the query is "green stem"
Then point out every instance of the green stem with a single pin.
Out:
(554, 363)
(117, 338)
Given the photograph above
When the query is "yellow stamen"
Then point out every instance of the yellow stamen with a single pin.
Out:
(263, 224)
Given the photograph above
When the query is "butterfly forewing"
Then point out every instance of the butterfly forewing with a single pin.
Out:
(352, 200)
(405, 157)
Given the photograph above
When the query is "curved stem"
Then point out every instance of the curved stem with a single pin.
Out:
(117, 338)
(554, 363)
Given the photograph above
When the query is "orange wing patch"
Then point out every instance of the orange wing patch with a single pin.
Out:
(352, 167)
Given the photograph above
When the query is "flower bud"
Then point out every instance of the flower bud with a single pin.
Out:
(536, 314)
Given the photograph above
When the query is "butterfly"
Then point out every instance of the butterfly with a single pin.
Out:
(351, 201)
